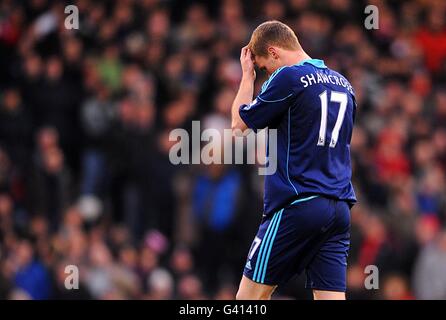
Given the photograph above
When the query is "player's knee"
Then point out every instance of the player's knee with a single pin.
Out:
(328, 295)
(240, 295)
(252, 295)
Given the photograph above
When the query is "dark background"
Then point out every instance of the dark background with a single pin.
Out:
(85, 116)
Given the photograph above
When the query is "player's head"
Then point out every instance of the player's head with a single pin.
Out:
(270, 43)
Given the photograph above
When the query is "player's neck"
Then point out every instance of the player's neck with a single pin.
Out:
(295, 57)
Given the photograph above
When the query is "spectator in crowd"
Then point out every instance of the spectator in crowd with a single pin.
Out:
(396, 287)
(429, 280)
(29, 273)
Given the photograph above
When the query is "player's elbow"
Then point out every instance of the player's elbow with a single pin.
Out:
(238, 127)
(235, 126)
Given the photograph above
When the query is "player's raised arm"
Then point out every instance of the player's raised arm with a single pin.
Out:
(246, 90)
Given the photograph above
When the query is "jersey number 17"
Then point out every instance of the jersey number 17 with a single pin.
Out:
(337, 97)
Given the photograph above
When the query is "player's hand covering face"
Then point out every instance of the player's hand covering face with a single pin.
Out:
(246, 61)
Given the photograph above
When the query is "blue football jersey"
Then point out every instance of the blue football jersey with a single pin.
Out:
(313, 109)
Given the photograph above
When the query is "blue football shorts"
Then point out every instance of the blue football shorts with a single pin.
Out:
(311, 234)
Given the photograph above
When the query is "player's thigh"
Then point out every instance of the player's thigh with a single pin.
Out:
(250, 290)
(287, 241)
(327, 271)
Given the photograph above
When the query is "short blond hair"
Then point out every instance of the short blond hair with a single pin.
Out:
(272, 33)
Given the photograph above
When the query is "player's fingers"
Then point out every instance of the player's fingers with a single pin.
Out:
(249, 56)
(242, 52)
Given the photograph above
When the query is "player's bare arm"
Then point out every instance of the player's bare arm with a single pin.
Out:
(246, 89)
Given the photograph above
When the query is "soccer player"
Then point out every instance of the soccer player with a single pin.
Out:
(307, 201)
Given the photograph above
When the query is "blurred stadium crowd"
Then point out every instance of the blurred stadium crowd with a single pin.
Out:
(85, 117)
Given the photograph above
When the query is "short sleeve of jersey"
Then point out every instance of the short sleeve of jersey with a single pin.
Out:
(273, 101)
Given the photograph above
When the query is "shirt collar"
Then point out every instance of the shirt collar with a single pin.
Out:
(315, 62)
